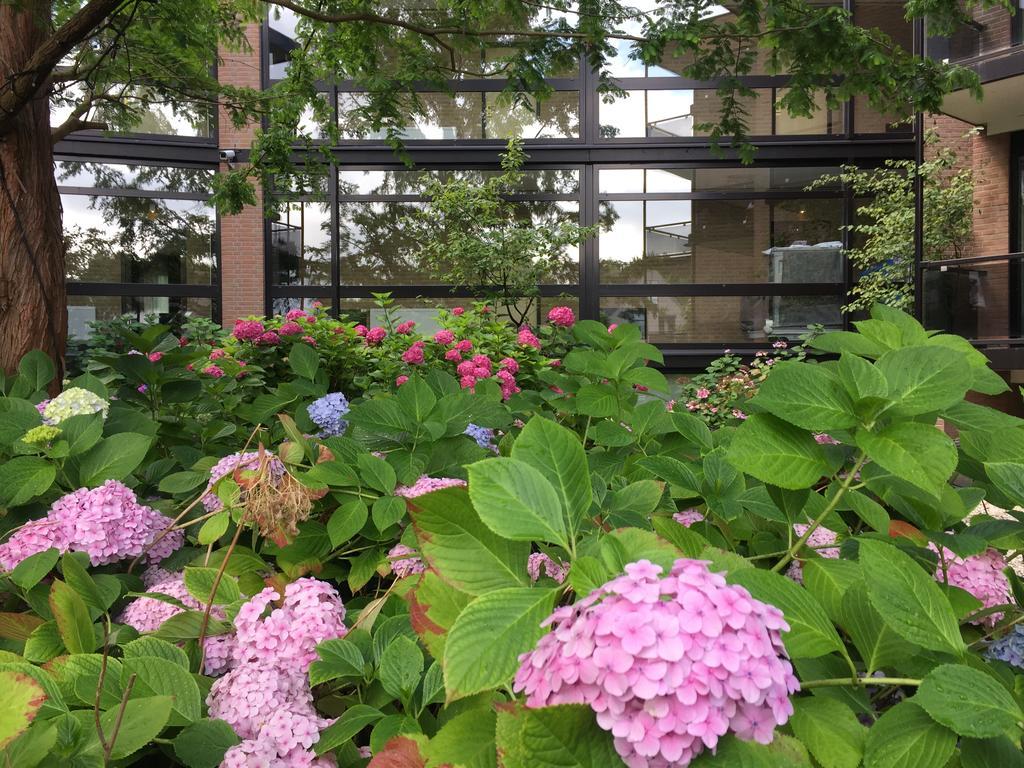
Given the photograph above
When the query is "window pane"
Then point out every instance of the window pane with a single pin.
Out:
(281, 305)
(683, 113)
(723, 319)
(363, 182)
(424, 311)
(281, 40)
(668, 242)
(161, 118)
(169, 310)
(377, 248)
(466, 115)
(148, 177)
(139, 240)
(300, 244)
(686, 180)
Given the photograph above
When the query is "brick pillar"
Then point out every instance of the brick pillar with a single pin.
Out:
(241, 236)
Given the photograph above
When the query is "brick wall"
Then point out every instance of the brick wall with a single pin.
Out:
(241, 236)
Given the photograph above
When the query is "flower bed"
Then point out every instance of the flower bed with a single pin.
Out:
(496, 546)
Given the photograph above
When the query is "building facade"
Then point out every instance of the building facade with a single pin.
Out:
(704, 253)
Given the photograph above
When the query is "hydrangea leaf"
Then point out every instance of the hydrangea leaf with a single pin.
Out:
(830, 730)
(23, 478)
(142, 721)
(968, 701)
(22, 699)
(72, 617)
(808, 396)
(159, 677)
(516, 501)
(467, 740)
(204, 742)
(917, 453)
(776, 452)
(114, 458)
(923, 379)
(351, 722)
(566, 736)
(906, 737)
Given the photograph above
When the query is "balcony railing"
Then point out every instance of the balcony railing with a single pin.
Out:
(992, 31)
(978, 298)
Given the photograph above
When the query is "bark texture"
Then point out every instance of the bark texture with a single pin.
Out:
(33, 301)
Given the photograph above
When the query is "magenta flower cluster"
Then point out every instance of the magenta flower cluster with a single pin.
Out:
(669, 665)
(527, 338)
(107, 522)
(242, 462)
(538, 562)
(427, 484)
(980, 575)
(405, 561)
(562, 317)
(819, 541)
(688, 517)
(248, 330)
(266, 698)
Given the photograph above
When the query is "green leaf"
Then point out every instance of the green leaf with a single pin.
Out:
(33, 568)
(811, 632)
(776, 452)
(627, 545)
(213, 528)
(142, 722)
(186, 626)
(861, 378)
(159, 677)
(693, 430)
(338, 658)
(82, 432)
(878, 644)
(830, 730)
(22, 699)
(918, 453)
(924, 379)
(868, 510)
(157, 648)
(998, 752)
(807, 396)
(417, 399)
(23, 478)
(400, 668)
(908, 599)
(303, 360)
(651, 378)
(183, 482)
(683, 480)
(828, 580)
(36, 370)
(112, 459)
(377, 473)
(199, 583)
(203, 744)
(484, 644)
(346, 521)
(16, 418)
(467, 740)
(31, 747)
(639, 498)
(44, 643)
(566, 736)
(968, 701)
(72, 617)
(905, 737)
(558, 455)
(597, 400)
(516, 501)
(351, 722)
(82, 583)
(461, 548)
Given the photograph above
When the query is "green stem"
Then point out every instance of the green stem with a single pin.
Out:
(858, 682)
(829, 508)
(120, 716)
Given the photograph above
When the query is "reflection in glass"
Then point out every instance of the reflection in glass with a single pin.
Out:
(153, 114)
(467, 115)
(300, 244)
(722, 319)
(375, 247)
(148, 177)
(168, 310)
(667, 242)
(283, 304)
(424, 311)
(113, 239)
(686, 180)
(280, 40)
(366, 182)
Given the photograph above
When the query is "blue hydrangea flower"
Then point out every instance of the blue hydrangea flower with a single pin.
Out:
(1009, 648)
(484, 437)
(326, 413)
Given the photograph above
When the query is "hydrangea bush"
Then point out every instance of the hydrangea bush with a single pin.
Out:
(419, 571)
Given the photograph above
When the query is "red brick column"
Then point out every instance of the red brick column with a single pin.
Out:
(241, 236)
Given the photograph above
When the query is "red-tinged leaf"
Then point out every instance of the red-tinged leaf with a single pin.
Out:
(22, 699)
(899, 529)
(18, 626)
(399, 752)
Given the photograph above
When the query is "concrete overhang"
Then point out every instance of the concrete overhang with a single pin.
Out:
(1001, 110)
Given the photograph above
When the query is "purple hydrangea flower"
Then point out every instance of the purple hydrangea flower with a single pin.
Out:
(327, 414)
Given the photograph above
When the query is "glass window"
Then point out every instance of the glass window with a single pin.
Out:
(169, 310)
(300, 244)
(148, 177)
(470, 115)
(115, 239)
(684, 113)
(369, 182)
(722, 319)
(281, 40)
(283, 304)
(688, 180)
(721, 241)
(156, 115)
(376, 248)
(424, 311)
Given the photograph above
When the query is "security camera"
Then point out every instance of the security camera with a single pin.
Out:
(227, 155)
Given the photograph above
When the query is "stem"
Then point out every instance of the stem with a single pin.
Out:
(120, 716)
(213, 590)
(859, 682)
(99, 685)
(829, 508)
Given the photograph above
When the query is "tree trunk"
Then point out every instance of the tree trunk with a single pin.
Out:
(33, 300)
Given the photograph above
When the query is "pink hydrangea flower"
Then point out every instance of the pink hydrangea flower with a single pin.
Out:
(405, 561)
(309, 340)
(509, 364)
(483, 364)
(453, 356)
(290, 329)
(819, 540)
(538, 561)
(428, 484)
(107, 523)
(444, 337)
(467, 382)
(508, 384)
(217, 354)
(399, 381)
(247, 330)
(612, 327)
(404, 328)
(980, 575)
(527, 338)
(214, 370)
(360, 330)
(669, 665)
(823, 439)
(414, 354)
(561, 316)
(268, 339)
(155, 357)
(688, 517)
(464, 346)
(703, 393)
(458, 311)
(375, 336)
(296, 315)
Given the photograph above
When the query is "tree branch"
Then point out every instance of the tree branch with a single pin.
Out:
(21, 87)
